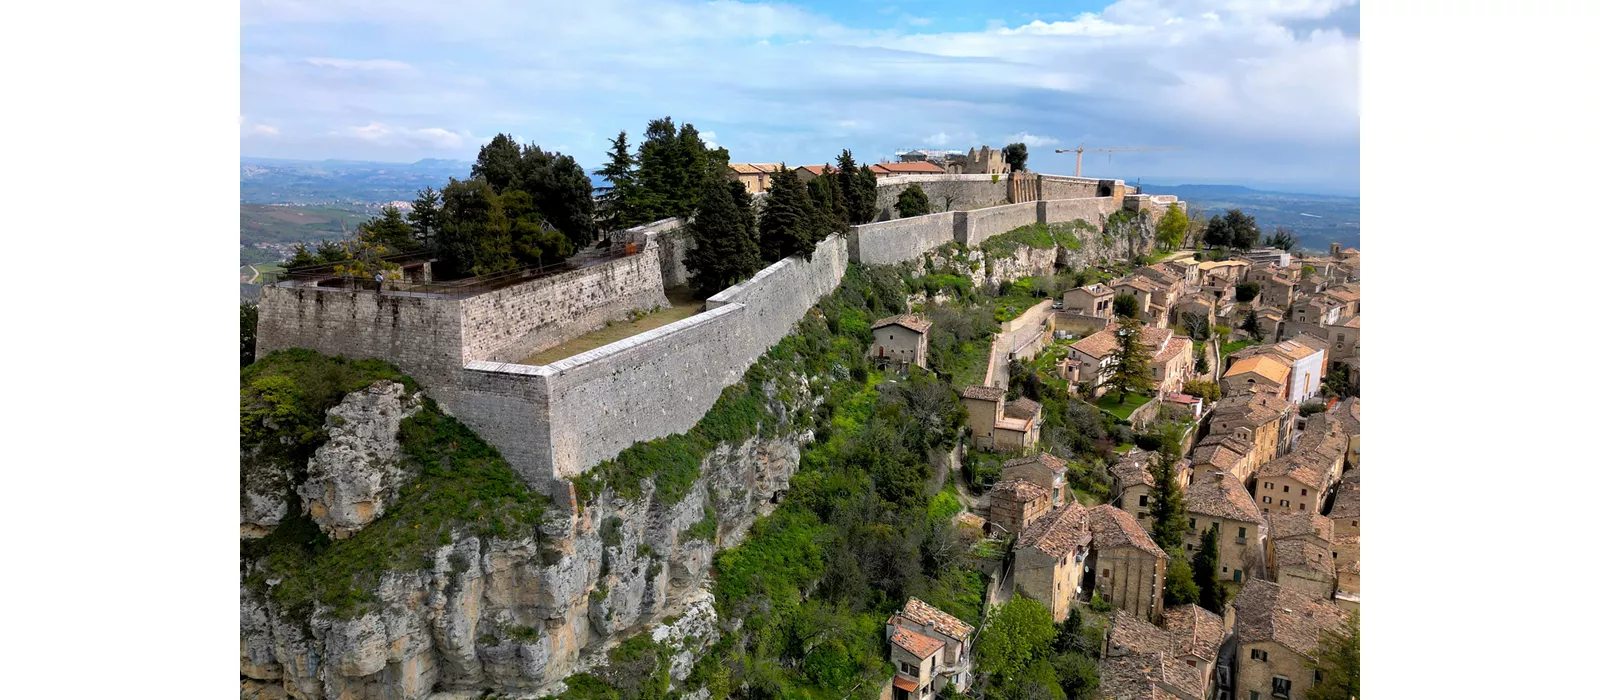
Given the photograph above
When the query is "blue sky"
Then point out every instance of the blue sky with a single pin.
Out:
(1255, 92)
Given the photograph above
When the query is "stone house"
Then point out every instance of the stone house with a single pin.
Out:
(1264, 373)
(1346, 510)
(1265, 423)
(1300, 553)
(1306, 358)
(1226, 452)
(1043, 470)
(1277, 630)
(900, 341)
(1223, 273)
(1347, 567)
(998, 424)
(1198, 303)
(1142, 660)
(1014, 504)
(1049, 558)
(1143, 292)
(1219, 498)
(1091, 359)
(1269, 322)
(1089, 300)
(1300, 481)
(1277, 290)
(807, 173)
(756, 177)
(1312, 315)
(1129, 570)
(1172, 362)
(1344, 338)
(929, 649)
(1132, 482)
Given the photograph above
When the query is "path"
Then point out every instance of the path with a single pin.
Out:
(1214, 358)
(254, 274)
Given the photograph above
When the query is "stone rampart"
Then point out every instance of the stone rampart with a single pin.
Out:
(1093, 209)
(1063, 187)
(993, 221)
(421, 333)
(945, 192)
(888, 242)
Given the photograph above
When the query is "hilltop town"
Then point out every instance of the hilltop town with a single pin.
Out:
(938, 427)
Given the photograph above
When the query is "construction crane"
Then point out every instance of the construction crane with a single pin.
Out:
(1077, 171)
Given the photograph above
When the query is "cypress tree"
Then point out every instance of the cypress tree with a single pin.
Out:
(826, 197)
(866, 202)
(424, 216)
(725, 246)
(1212, 595)
(615, 208)
(789, 221)
(849, 190)
(1166, 504)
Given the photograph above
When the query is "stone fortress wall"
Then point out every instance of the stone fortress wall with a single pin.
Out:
(557, 421)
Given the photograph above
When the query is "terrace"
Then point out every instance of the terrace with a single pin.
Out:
(684, 305)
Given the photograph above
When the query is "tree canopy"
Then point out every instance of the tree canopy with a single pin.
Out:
(424, 216)
(1130, 361)
(674, 167)
(1167, 511)
(1233, 229)
(1338, 660)
(1016, 155)
(1247, 291)
(1283, 239)
(1172, 228)
(789, 222)
(726, 247)
(617, 202)
(1125, 306)
(1212, 595)
(912, 201)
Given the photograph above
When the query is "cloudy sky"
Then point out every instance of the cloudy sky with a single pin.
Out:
(1254, 92)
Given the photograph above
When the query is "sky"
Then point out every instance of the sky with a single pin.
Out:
(1261, 93)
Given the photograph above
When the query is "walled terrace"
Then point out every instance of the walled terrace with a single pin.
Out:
(470, 344)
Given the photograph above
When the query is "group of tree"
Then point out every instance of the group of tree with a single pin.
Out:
(249, 314)
(1283, 239)
(1130, 361)
(913, 201)
(1172, 229)
(1233, 229)
(1016, 156)
(1023, 654)
(1246, 292)
(667, 176)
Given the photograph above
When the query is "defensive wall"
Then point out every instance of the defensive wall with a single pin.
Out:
(559, 420)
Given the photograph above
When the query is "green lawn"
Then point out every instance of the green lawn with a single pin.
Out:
(1108, 403)
(1235, 346)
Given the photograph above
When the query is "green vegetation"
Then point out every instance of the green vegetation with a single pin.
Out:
(276, 223)
(249, 316)
(1022, 654)
(727, 247)
(912, 201)
(1212, 596)
(1338, 660)
(1232, 347)
(1204, 389)
(1125, 306)
(790, 223)
(1172, 228)
(1037, 236)
(1340, 382)
(462, 485)
(1234, 229)
(705, 529)
(1124, 408)
(1130, 369)
(1016, 156)
(1246, 292)
(1167, 513)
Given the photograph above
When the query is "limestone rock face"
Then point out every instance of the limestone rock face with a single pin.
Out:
(358, 472)
(1095, 248)
(264, 493)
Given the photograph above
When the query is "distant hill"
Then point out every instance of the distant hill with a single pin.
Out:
(1317, 219)
(341, 182)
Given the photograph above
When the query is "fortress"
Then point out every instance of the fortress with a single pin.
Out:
(466, 343)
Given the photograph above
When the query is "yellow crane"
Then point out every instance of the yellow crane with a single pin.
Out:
(1077, 170)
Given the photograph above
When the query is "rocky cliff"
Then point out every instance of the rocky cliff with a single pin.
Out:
(1010, 257)
(474, 611)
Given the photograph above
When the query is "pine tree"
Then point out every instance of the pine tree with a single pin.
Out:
(1016, 155)
(1251, 325)
(912, 201)
(789, 221)
(424, 216)
(829, 202)
(303, 257)
(1130, 370)
(616, 207)
(390, 230)
(725, 250)
(866, 202)
(1212, 594)
(499, 163)
(1166, 504)
(562, 191)
(849, 187)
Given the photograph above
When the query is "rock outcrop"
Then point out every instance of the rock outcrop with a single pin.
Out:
(1094, 248)
(356, 475)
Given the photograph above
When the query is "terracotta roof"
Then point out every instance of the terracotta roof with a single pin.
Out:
(1269, 612)
(1347, 500)
(1098, 345)
(1173, 349)
(1024, 409)
(754, 168)
(942, 622)
(816, 169)
(1133, 468)
(1220, 494)
(916, 323)
(1249, 410)
(1018, 490)
(1295, 349)
(1321, 445)
(1050, 461)
(1268, 367)
(904, 683)
(1115, 527)
(1299, 525)
(1131, 633)
(1138, 283)
(1059, 532)
(1352, 322)
(1312, 554)
(1137, 676)
(1219, 451)
(920, 166)
(1096, 289)
(1195, 631)
(1309, 341)
(986, 393)
(920, 645)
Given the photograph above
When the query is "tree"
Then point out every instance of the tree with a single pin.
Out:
(1246, 292)
(829, 202)
(365, 252)
(332, 252)
(866, 197)
(1251, 325)
(726, 250)
(390, 229)
(616, 206)
(1172, 228)
(1204, 389)
(1217, 234)
(302, 257)
(424, 216)
(249, 315)
(789, 224)
(499, 163)
(675, 165)
(1016, 155)
(1020, 633)
(1283, 239)
(1242, 229)
(1212, 595)
(474, 236)
(1130, 370)
(1166, 505)
(1125, 306)
(912, 202)
(1338, 659)
(1340, 382)
(561, 190)
(1202, 365)
(532, 239)
(1197, 325)
(1307, 270)
(1180, 586)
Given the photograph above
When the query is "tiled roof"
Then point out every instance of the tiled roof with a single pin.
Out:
(1024, 409)
(1059, 532)
(1133, 468)
(916, 323)
(1018, 490)
(1347, 550)
(1321, 445)
(1195, 631)
(1295, 349)
(1098, 345)
(920, 166)
(1250, 410)
(754, 168)
(1050, 461)
(1347, 500)
(1309, 341)
(1312, 554)
(986, 393)
(815, 169)
(1219, 494)
(1269, 612)
(1219, 451)
(1267, 366)
(1131, 633)
(1115, 527)
(1352, 322)
(920, 645)
(1174, 349)
(904, 683)
(942, 622)
(1136, 282)
(1137, 676)
(1299, 525)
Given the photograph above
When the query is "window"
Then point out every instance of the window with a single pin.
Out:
(1355, 523)
(1280, 687)
(1143, 514)
(1285, 488)
(1316, 677)
(1105, 572)
(1266, 499)
(1191, 523)
(908, 669)
(1302, 492)
(1283, 502)
(1224, 569)
(1258, 654)
(1302, 506)
(1255, 695)
(1241, 532)
(1269, 486)
(1144, 500)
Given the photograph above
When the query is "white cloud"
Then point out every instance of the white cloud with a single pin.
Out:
(919, 21)
(264, 130)
(1031, 140)
(428, 138)
(373, 64)
(939, 139)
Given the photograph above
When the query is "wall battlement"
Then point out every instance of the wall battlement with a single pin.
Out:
(557, 421)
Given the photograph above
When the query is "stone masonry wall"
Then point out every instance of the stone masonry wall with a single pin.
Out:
(889, 242)
(993, 221)
(945, 192)
(777, 297)
(1093, 210)
(419, 333)
(1063, 187)
(507, 325)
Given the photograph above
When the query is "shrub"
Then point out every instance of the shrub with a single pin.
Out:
(1247, 291)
